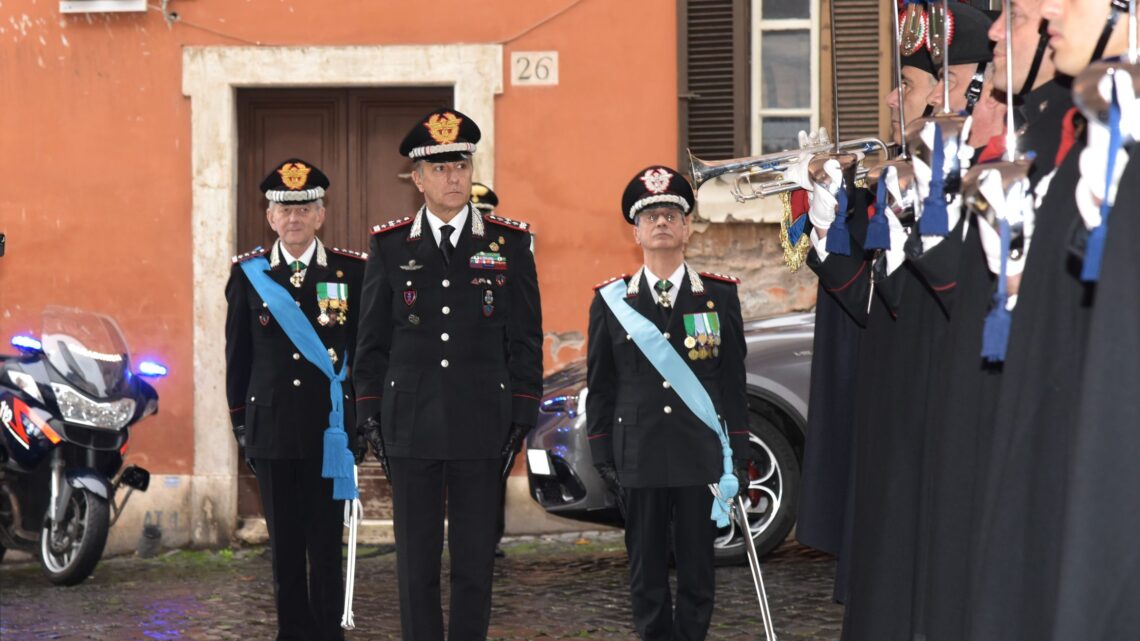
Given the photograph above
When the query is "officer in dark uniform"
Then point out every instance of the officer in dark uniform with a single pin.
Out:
(643, 437)
(279, 402)
(448, 374)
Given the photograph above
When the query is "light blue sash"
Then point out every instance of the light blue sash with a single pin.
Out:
(668, 363)
(338, 463)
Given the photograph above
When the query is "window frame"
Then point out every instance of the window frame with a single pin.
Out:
(756, 31)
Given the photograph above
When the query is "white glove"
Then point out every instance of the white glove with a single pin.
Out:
(821, 213)
(1094, 158)
(1015, 207)
(817, 139)
(896, 254)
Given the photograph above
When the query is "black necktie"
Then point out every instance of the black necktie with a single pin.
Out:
(445, 246)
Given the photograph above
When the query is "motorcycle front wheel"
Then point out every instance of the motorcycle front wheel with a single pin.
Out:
(70, 551)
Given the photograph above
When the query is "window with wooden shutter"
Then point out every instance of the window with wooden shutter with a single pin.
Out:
(713, 78)
(862, 67)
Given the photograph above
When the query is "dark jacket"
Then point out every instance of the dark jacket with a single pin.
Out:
(281, 398)
(635, 419)
(449, 357)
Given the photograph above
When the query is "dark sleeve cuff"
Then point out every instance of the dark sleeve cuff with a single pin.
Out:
(602, 449)
(524, 409)
(367, 407)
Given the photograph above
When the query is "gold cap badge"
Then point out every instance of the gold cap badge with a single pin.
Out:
(443, 129)
(294, 175)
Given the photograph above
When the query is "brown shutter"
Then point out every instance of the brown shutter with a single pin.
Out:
(860, 66)
(713, 78)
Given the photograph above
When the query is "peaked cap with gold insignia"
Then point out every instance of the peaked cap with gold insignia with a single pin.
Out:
(656, 186)
(483, 197)
(444, 135)
(294, 182)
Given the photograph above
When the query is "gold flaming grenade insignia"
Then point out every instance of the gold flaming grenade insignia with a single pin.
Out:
(294, 175)
(477, 192)
(443, 129)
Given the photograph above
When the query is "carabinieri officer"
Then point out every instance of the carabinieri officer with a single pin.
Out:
(643, 437)
(449, 375)
(280, 403)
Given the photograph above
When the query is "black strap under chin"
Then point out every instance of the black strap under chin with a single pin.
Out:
(1038, 56)
(974, 90)
(1106, 33)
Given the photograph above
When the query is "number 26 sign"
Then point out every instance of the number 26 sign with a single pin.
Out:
(534, 68)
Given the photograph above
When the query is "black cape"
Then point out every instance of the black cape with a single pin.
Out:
(1015, 570)
(1100, 567)
(965, 395)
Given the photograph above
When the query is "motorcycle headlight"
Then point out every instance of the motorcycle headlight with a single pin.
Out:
(77, 408)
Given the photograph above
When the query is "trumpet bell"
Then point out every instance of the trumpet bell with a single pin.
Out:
(953, 127)
(1012, 173)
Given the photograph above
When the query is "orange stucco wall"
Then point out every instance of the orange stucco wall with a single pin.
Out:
(95, 157)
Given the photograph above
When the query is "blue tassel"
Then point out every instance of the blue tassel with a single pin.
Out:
(995, 333)
(934, 221)
(838, 238)
(337, 461)
(878, 230)
(344, 489)
(796, 230)
(1094, 251)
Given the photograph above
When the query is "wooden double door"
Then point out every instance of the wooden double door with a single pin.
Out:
(352, 135)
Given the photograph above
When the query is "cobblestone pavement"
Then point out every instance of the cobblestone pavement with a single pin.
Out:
(549, 588)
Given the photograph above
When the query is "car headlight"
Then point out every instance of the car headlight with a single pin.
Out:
(569, 401)
(77, 408)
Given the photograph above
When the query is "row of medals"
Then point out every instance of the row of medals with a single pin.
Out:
(703, 346)
(332, 311)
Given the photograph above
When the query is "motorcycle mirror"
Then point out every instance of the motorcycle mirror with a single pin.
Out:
(152, 369)
(27, 344)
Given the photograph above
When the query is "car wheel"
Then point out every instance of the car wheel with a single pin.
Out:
(770, 499)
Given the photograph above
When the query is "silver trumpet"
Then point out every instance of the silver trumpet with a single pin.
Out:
(768, 169)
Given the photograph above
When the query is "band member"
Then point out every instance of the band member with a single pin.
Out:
(965, 392)
(643, 435)
(279, 401)
(1069, 374)
(449, 375)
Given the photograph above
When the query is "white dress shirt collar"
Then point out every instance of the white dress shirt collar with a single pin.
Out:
(435, 223)
(674, 280)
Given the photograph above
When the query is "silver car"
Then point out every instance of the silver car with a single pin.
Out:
(562, 476)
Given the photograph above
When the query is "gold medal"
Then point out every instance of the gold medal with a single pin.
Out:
(715, 352)
(494, 247)
(702, 339)
(502, 241)
(297, 278)
(693, 354)
(339, 274)
(690, 342)
(711, 304)
(323, 319)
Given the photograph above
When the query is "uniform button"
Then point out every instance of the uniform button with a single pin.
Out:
(668, 410)
(298, 303)
(619, 419)
(264, 304)
(665, 384)
(628, 337)
(296, 382)
(502, 386)
(444, 363)
(446, 310)
(392, 384)
(296, 356)
(252, 399)
(446, 283)
(409, 283)
(444, 337)
(667, 336)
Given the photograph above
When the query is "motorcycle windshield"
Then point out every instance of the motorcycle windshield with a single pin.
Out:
(87, 350)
